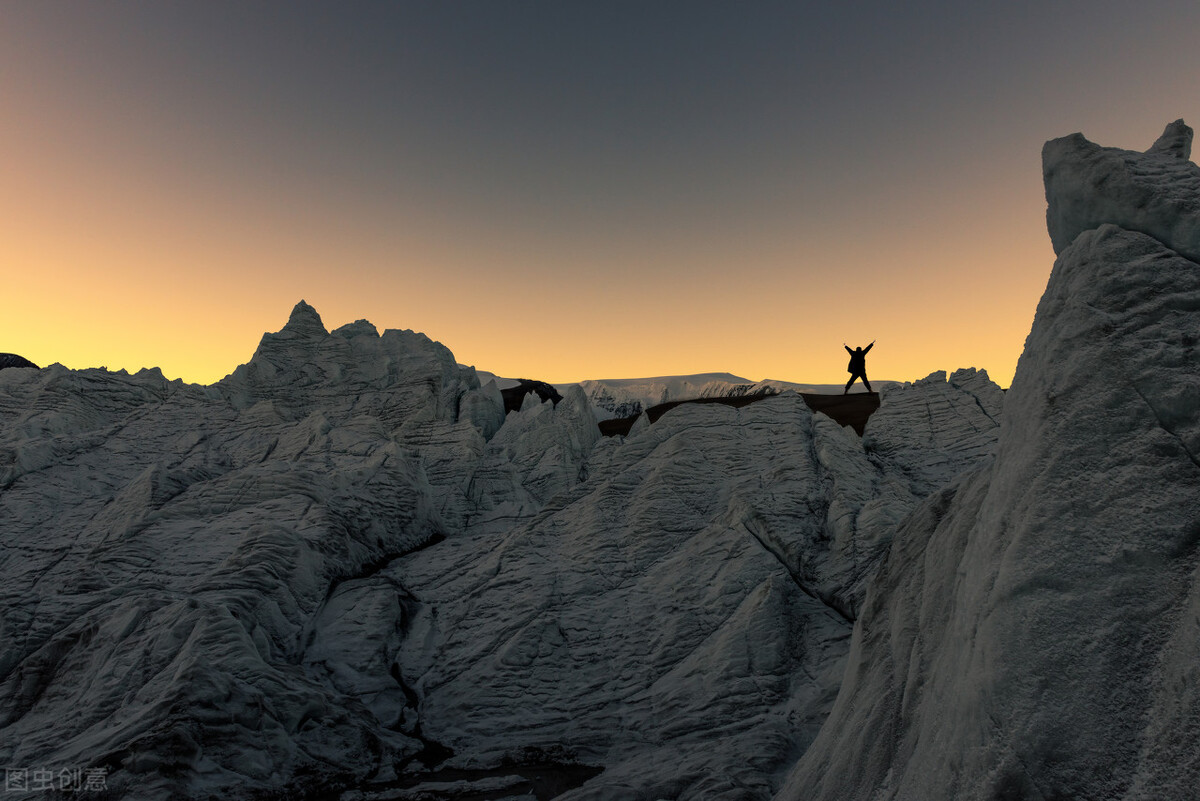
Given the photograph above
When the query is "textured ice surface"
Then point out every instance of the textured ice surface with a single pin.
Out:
(1156, 193)
(344, 562)
(681, 617)
(932, 430)
(167, 553)
(1034, 631)
(344, 558)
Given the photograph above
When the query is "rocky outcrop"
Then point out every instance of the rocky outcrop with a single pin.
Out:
(1035, 629)
(514, 396)
(13, 360)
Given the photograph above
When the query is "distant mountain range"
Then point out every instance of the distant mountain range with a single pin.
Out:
(627, 397)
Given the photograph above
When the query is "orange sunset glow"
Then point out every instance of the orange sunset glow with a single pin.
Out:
(167, 200)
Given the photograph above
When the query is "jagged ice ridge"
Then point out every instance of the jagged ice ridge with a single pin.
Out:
(307, 573)
(344, 565)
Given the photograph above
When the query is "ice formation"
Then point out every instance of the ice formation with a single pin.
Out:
(1156, 193)
(343, 566)
(168, 549)
(680, 618)
(345, 571)
(1035, 629)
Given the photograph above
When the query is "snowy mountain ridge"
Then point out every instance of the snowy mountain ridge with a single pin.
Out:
(628, 397)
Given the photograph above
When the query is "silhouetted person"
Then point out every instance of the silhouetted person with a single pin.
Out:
(858, 365)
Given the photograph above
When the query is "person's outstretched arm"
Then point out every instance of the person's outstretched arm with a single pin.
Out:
(869, 347)
(847, 347)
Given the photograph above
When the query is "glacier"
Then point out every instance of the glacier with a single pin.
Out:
(1034, 631)
(345, 571)
(345, 567)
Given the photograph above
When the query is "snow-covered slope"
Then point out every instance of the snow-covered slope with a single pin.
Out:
(931, 431)
(1035, 629)
(627, 397)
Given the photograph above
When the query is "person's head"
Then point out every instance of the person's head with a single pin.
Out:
(858, 349)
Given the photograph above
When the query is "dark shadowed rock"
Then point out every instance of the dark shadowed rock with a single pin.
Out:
(13, 360)
(514, 396)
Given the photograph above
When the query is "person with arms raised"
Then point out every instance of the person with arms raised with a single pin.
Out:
(858, 365)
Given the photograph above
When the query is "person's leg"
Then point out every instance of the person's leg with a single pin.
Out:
(848, 383)
(866, 383)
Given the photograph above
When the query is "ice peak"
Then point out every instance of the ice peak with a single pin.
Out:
(358, 328)
(305, 320)
(1156, 193)
(1176, 141)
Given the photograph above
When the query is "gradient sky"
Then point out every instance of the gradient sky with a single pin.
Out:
(558, 190)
